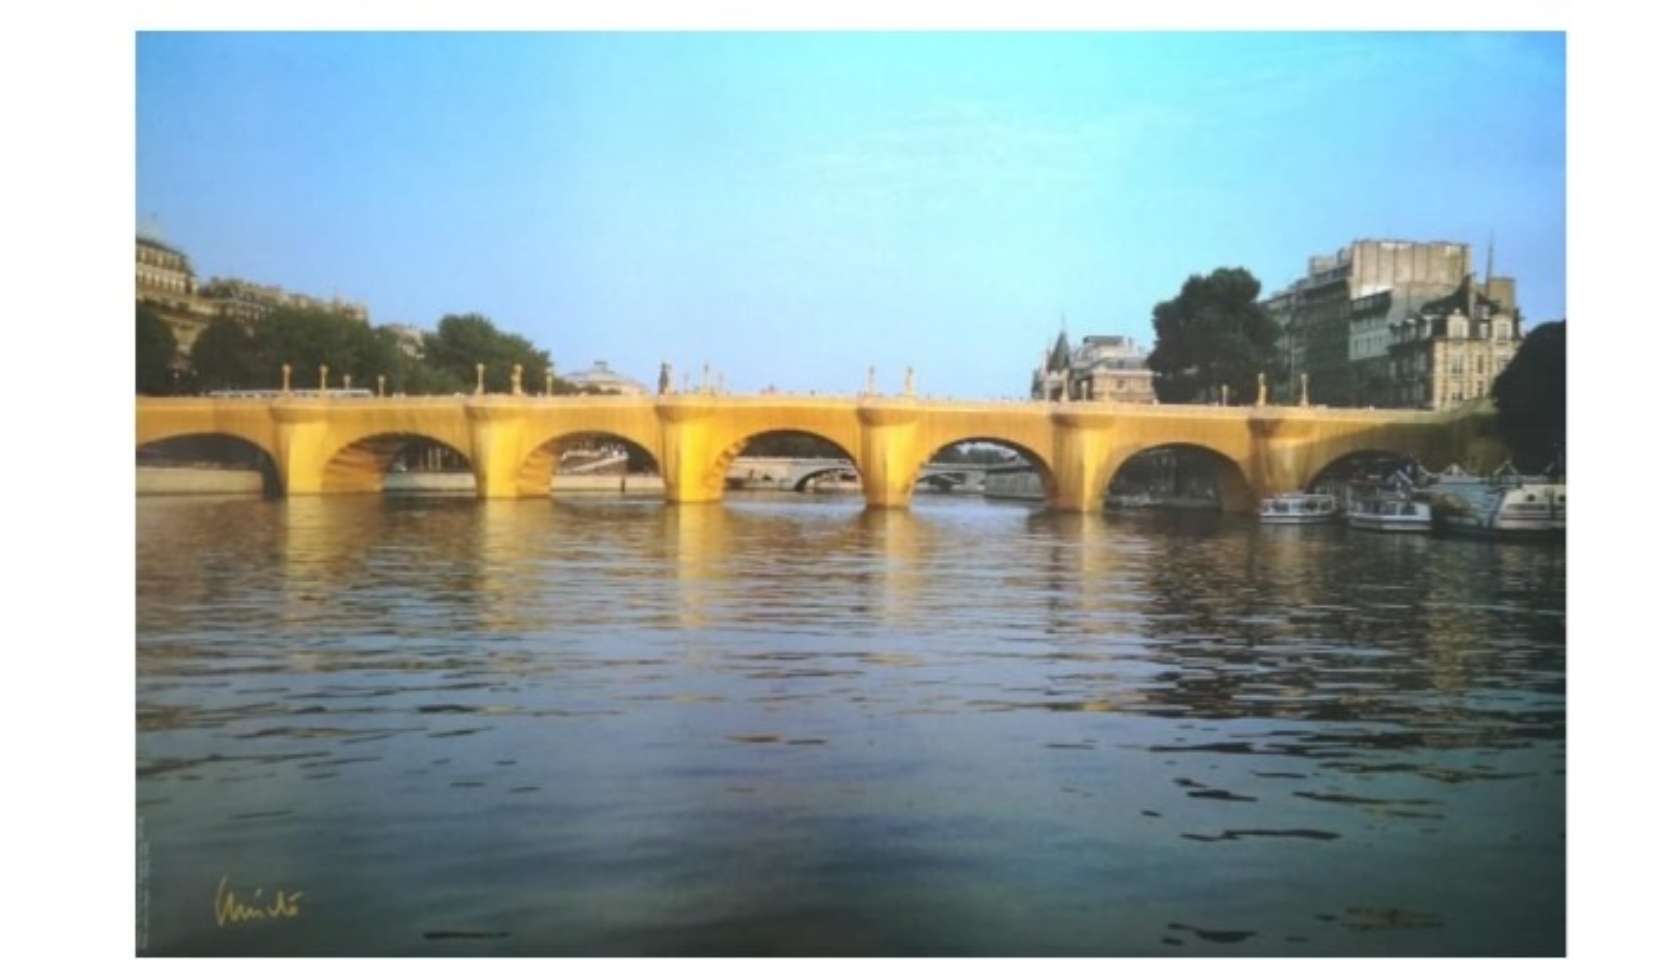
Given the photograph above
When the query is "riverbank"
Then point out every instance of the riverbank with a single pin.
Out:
(166, 481)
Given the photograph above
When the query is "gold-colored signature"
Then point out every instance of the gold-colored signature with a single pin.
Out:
(231, 909)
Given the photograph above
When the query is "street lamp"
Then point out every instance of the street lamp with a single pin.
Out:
(517, 380)
(480, 390)
(323, 379)
(285, 378)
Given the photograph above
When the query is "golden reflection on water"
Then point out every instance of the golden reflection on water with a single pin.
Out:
(576, 701)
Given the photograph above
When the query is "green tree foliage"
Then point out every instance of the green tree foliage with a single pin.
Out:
(411, 375)
(463, 341)
(224, 356)
(1531, 398)
(1213, 333)
(154, 353)
(233, 355)
(309, 339)
(229, 355)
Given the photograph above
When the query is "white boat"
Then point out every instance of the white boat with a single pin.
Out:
(1389, 512)
(1296, 507)
(1504, 504)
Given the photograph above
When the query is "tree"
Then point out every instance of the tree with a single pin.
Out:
(224, 356)
(463, 341)
(309, 339)
(1531, 399)
(154, 353)
(1213, 334)
(411, 374)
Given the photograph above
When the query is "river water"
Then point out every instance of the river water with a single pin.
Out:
(792, 725)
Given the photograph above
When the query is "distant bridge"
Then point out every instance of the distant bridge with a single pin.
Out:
(799, 473)
(341, 445)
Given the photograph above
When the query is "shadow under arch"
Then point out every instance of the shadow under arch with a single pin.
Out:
(365, 465)
(584, 454)
(1179, 476)
(205, 462)
(1372, 466)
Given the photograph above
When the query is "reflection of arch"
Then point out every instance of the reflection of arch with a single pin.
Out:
(360, 466)
(536, 471)
(718, 470)
(214, 451)
(1183, 470)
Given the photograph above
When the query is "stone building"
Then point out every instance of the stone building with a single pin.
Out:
(246, 301)
(165, 281)
(1109, 369)
(410, 339)
(600, 378)
(162, 271)
(1449, 351)
(1339, 320)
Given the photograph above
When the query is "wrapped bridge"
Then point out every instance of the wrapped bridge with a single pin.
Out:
(323, 445)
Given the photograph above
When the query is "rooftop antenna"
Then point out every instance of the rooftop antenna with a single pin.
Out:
(152, 228)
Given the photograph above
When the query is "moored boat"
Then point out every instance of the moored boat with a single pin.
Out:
(1504, 504)
(1389, 511)
(1297, 507)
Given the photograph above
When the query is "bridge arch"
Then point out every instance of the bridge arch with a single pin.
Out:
(1033, 440)
(1024, 457)
(212, 451)
(1361, 466)
(1182, 473)
(362, 464)
(600, 450)
(735, 444)
(258, 433)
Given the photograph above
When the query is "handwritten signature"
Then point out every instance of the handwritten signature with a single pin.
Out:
(232, 909)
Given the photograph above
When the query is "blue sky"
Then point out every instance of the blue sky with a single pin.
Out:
(792, 208)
